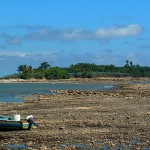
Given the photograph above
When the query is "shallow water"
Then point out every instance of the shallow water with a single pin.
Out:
(13, 92)
(104, 146)
(16, 146)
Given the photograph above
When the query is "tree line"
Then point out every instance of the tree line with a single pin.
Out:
(80, 70)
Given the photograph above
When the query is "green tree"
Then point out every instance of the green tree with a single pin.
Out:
(39, 73)
(45, 65)
(25, 68)
(22, 68)
(26, 75)
(56, 73)
(25, 71)
(131, 63)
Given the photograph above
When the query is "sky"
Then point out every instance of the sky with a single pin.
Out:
(65, 32)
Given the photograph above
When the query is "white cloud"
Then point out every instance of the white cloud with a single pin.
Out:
(73, 34)
(101, 34)
(45, 33)
(118, 31)
(11, 40)
(11, 53)
(14, 41)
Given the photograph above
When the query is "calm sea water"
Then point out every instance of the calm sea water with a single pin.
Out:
(12, 92)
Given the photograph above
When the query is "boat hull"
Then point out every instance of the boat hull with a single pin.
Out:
(13, 125)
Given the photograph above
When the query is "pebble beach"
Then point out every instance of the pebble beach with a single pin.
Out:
(84, 119)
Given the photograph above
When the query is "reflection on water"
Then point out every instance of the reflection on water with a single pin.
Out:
(104, 146)
(107, 145)
(10, 98)
(97, 146)
(13, 92)
(16, 146)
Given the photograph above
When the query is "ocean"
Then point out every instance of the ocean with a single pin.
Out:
(13, 92)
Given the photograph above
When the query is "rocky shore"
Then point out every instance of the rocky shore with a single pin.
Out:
(102, 80)
(74, 119)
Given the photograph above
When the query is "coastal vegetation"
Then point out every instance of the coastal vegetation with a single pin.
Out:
(80, 70)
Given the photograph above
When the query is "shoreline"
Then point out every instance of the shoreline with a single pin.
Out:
(101, 80)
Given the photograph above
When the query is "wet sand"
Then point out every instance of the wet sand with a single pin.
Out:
(84, 119)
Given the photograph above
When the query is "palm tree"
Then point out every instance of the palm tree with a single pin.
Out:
(45, 65)
(30, 69)
(131, 64)
(127, 62)
(22, 68)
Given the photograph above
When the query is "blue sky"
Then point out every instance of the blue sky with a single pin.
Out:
(65, 32)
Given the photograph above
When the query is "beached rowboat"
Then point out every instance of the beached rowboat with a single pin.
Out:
(13, 123)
